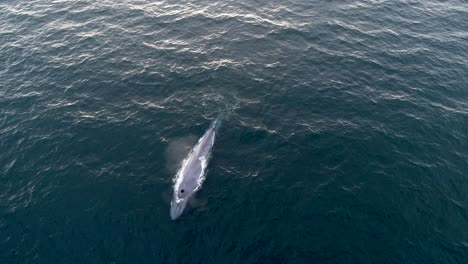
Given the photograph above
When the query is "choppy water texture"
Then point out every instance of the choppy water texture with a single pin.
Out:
(345, 139)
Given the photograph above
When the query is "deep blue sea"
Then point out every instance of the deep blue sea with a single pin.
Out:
(345, 137)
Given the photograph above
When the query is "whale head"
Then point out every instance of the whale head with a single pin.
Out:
(177, 207)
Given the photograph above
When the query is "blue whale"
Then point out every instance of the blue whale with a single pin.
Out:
(191, 175)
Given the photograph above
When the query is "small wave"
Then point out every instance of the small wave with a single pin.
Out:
(8, 166)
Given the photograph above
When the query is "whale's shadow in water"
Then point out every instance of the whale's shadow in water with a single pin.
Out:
(177, 150)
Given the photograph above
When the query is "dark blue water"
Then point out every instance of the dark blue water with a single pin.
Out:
(345, 138)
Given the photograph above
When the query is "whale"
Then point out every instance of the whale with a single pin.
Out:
(191, 174)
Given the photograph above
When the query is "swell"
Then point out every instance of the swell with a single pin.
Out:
(348, 116)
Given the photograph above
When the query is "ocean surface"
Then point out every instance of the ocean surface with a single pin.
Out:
(345, 137)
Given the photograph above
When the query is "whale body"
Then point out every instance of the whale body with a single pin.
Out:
(191, 175)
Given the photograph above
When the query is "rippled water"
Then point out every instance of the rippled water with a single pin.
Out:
(345, 141)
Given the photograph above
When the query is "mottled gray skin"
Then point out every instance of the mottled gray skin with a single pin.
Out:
(191, 175)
